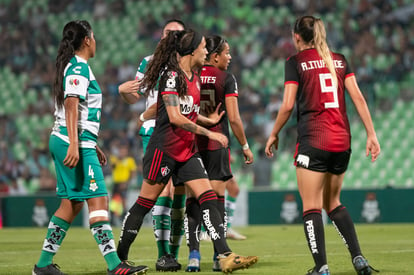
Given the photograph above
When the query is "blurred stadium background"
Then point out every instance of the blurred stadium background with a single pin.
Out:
(377, 37)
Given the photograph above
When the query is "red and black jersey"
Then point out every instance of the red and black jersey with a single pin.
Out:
(216, 85)
(178, 143)
(321, 110)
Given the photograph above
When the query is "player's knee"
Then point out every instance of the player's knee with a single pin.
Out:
(98, 215)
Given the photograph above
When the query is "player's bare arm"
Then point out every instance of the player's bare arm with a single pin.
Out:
(129, 91)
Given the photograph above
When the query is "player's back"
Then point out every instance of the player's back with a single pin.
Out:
(321, 108)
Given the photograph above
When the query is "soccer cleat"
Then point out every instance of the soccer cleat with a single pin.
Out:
(52, 269)
(126, 268)
(167, 263)
(204, 236)
(216, 263)
(322, 271)
(361, 266)
(234, 235)
(193, 262)
(233, 262)
(216, 266)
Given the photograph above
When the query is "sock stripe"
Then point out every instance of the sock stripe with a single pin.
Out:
(207, 196)
(310, 211)
(145, 202)
(220, 199)
(339, 207)
(190, 201)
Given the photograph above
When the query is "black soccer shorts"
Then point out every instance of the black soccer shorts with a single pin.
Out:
(319, 160)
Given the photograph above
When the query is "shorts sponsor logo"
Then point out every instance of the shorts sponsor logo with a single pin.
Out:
(303, 160)
(165, 171)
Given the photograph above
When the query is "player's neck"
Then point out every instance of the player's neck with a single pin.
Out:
(186, 67)
(303, 47)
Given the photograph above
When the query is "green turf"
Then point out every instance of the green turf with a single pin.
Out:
(281, 250)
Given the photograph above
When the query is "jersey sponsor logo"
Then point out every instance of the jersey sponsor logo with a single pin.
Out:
(77, 69)
(165, 171)
(310, 230)
(187, 105)
(303, 160)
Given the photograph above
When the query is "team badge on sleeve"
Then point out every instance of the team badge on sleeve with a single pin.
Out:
(171, 80)
(171, 83)
(74, 82)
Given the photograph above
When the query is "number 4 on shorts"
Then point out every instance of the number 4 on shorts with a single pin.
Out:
(90, 172)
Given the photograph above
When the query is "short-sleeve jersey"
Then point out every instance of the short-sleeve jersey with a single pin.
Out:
(321, 110)
(152, 97)
(122, 168)
(176, 142)
(216, 85)
(79, 81)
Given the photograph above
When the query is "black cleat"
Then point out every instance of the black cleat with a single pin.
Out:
(167, 263)
(126, 268)
(52, 269)
(361, 266)
(322, 271)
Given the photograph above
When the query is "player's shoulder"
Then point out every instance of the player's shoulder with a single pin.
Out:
(229, 76)
(338, 55)
(292, 58)
(169, 81)
(144, 62)
(78, 66)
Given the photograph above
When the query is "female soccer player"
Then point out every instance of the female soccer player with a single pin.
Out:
(168, 211)
(171, 149)
(316, 79)
(218, 89)
(74, 151)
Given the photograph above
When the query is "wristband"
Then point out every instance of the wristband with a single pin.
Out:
(246, 146)
(141, 117)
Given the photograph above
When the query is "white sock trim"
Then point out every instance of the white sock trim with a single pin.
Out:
(98, 213)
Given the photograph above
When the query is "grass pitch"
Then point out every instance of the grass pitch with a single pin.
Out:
(281, 250)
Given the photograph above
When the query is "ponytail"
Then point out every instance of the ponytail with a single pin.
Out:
(73, 35)
(214, 44)
(319, 39)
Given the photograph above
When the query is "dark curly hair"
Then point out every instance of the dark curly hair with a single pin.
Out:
(165, 60)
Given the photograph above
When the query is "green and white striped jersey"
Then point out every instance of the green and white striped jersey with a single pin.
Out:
(148, 125)
(79, 81)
